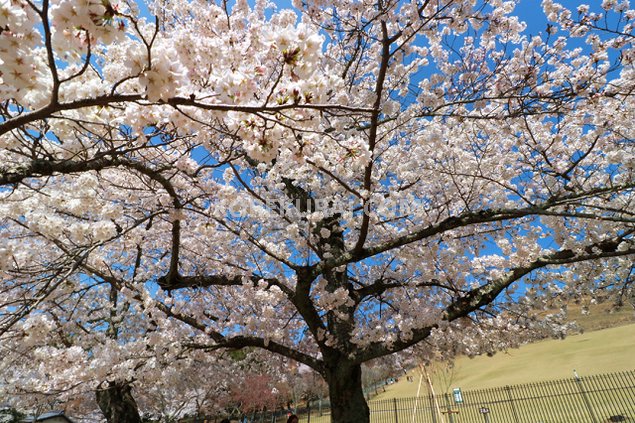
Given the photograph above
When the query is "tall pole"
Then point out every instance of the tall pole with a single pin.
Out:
(414, 410)
(424, 370)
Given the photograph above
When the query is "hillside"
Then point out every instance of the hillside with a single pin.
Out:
(600, 316)
(597, 350)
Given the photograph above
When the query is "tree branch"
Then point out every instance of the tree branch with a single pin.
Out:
(466, 219)
(238, 342)
(487, 294)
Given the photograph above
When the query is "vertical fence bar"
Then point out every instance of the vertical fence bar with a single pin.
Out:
(603, 395)
(526, 402)
(508, 390)
(383, 411)
(433, 412)
(570, 401)
(615, 386)
(629, 388)
(475, 400)
(520, 400)
(449, 408)
(533, 396)
(626, 388)
(395, 408)
(543, 404)
(478, 400)
(547, 400)
(567, 400)
(578, 402)
(629, 382)
(540, 408)
(380, 409)
(494, 401)
(586, 399)
(559, 393)
(544, 398)
(615, 392)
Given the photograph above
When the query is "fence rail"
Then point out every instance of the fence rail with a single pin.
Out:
(604, 398)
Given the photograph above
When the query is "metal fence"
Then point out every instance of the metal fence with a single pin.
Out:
(590, 399)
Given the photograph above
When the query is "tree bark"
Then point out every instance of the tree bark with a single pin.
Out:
(117, 403)
(348, 404)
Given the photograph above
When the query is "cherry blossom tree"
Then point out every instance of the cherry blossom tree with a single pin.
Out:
(75, 363)
(333, 184)
(257, 393)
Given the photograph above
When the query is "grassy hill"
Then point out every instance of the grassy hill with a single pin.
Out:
(597, 350)
(600, 316)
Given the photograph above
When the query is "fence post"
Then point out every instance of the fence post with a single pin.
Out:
(449, 408)
(394, 402)
(511, 402)
(308, 411)
(578, 379)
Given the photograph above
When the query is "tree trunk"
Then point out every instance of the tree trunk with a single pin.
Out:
(348, 404)
(117, 403)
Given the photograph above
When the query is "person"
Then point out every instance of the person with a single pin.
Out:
(293, 419)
